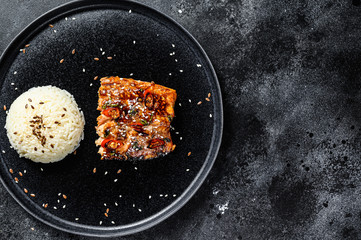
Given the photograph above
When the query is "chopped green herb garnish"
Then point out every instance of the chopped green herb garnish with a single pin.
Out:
(144, 122)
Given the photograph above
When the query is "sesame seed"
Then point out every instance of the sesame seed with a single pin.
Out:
(32, 229)
(112, 222)
(105, 173)
(16, 179)
(35, 149)
(135, 168)
(210, 115)
(176, 60)
(58, 201)
(110, 58)
(174, 195)
(130, 11)
(64, 206)
(173, 45)
(59, 194)
(62, 60)
(55, 207)
(15, 72)
(52, 145)
(32, 106)
(189, 153)
(54, 31)
(63, 115)
(198, 65)
(207, 99)
(131, 74)
(160, 195)
(41, 102)
(96, 77)
(100, 223)
(189, 100)
(103, 53)
(16, 89)
(83, 69)
(115, 180)
(105, 204)
(120, 196)
(30, 100)
(21, 174)
(170, 74)
(27, 45)
(101, 49)
(180, 70)
(106, 214)
(51, 136)
(116, 204)
(180, 138)
(46, 205)
(26, 106)
(180, 104)
(73, 52)
(150, 196)
(166, 195)
(4, 108)
(76, 219)
(96, 59)
(66, 19)
(133, 205)
(209, 95)
(94, 170)
(32, 195)
(41, 169)
(64, 196)
(64, 109)
(90, 84)
(140, 210)
(11, 171)
(134, 42)
(24, 171)
(107, 211)
(26, 190)
(187, 170)
(23, 50)
(199, 103)
(119, 171)
(180, 11)
(51, 26)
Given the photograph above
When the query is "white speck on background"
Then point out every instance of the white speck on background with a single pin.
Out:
(215, 191)
(3, 151)
(73, 18)
(180, 70)
(222, 207)
(66, 19)
(83, 69)
(12, 84)
(198, 65)
(210, 115)
(91, 84)
(15, 72)
(173, 45)
(130, 11)
(180, 11)
(134, 42)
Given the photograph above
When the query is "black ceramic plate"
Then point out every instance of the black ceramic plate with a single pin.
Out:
(146, 45)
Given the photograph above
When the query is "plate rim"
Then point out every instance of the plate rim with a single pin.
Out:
(188, 193)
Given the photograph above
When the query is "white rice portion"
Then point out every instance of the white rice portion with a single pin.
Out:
(62, 124)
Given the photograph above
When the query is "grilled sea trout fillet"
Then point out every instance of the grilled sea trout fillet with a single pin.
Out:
(135, 119)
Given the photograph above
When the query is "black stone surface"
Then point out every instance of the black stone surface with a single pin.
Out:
(289, 165)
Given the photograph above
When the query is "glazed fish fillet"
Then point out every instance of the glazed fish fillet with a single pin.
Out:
(135, 119)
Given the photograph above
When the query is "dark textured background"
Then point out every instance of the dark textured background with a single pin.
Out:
(289, 165)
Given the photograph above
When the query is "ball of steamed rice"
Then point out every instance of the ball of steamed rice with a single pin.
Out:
(44, 124)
